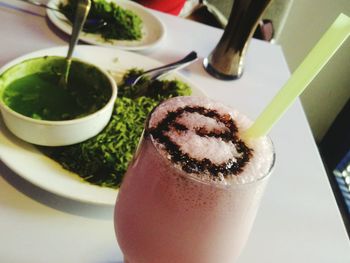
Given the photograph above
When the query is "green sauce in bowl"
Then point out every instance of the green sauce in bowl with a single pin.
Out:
(38, 109)
(32, 89)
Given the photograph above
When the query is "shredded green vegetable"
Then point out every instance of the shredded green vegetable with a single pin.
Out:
(120, 23)
(103, 159)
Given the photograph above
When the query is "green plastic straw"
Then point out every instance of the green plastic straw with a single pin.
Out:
(303, 75)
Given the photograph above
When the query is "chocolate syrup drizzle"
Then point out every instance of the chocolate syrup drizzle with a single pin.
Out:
(190, 164)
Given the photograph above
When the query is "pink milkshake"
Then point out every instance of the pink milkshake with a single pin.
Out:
(193, 189)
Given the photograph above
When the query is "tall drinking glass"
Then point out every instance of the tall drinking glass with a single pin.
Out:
(192, 191)
(226, 61)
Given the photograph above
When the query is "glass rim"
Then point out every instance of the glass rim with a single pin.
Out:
(192, 176)
(216, 184)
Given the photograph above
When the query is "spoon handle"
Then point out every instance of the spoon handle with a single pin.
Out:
(158, 72)
(83, 8)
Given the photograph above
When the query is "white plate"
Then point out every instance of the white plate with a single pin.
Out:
(153, 29)
(32, 165)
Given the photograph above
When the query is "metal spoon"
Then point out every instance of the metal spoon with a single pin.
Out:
(91, 24)
(83, 8)
(159, 72)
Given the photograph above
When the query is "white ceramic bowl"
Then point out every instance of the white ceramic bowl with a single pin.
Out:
(54, 133)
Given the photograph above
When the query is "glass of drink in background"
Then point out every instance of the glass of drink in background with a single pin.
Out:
(192, 191)
(226, 61)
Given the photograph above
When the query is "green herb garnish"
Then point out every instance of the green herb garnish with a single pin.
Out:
(120, 23)
(103, 159)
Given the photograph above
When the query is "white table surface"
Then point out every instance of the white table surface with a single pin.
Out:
(298, 221)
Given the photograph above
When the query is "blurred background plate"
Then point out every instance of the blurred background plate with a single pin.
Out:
(153, 29)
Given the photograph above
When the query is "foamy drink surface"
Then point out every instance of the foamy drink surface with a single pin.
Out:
(202, 138)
